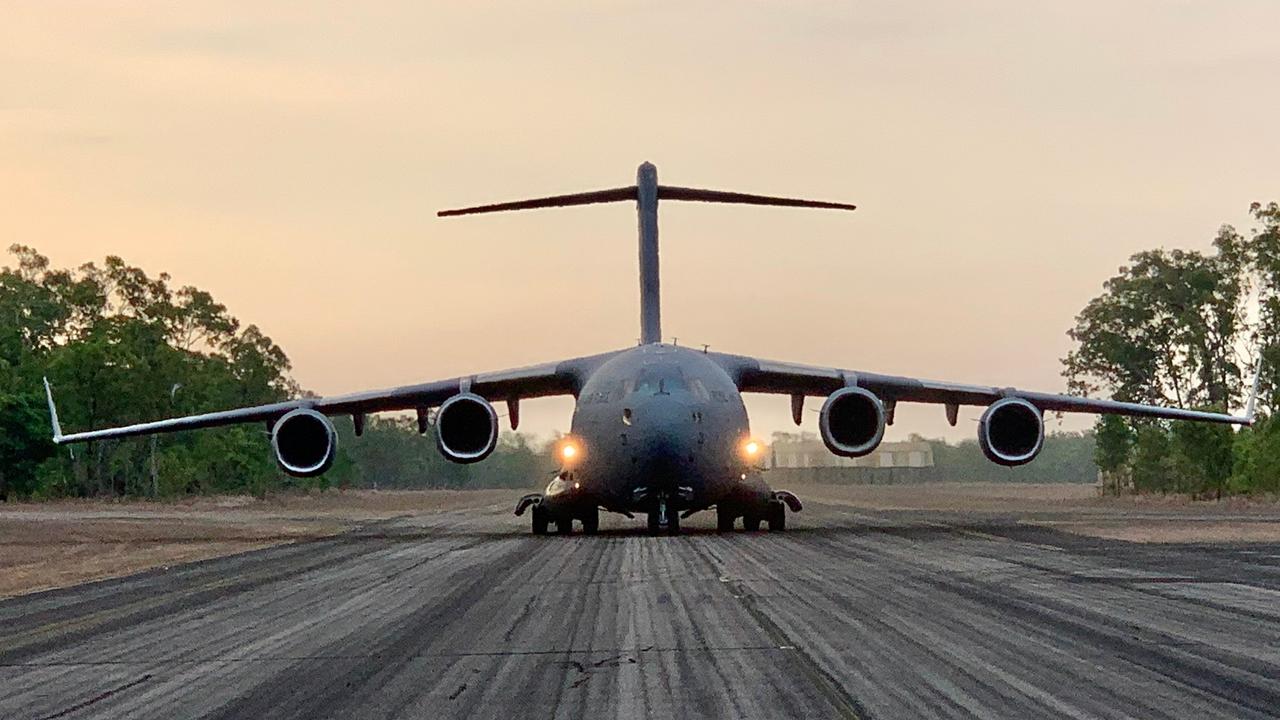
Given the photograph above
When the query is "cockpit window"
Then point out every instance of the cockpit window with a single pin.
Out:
(660, 379)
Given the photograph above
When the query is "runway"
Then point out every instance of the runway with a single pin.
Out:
(850, 614)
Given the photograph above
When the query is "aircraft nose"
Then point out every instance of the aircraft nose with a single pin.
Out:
(664, 442)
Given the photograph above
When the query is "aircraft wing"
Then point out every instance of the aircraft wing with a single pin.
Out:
(556, 378)
(767, 376)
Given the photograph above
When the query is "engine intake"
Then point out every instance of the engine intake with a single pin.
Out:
(852, 422)
(1011, 431)
(305, 443)
(466, 428)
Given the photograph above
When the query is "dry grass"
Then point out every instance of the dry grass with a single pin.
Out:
(49, 545)
(1074, 508)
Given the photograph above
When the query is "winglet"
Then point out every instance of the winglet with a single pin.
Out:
(1253, 394)
(53, 413)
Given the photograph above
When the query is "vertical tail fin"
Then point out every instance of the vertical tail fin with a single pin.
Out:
(647, 214)
(646, 193)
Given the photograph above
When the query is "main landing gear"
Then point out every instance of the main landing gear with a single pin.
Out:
(590, 520)
(541, 517)
(773, 512)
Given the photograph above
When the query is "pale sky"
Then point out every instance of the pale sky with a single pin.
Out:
(1006, 158)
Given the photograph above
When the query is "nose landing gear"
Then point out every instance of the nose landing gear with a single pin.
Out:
(663, 517)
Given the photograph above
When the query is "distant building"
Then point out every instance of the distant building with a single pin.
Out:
(805, 450)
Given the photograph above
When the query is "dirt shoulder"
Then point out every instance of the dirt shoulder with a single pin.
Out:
(1072, 508)
(56, 544)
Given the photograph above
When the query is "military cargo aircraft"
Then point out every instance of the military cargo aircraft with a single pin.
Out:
(657, 429)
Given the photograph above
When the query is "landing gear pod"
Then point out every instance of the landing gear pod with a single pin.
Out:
(1011, 432)
(304, 442)
(466, 428)
(852, 422)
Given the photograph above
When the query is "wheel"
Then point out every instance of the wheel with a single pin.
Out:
(751, 522)
(539, 520)
(655, 524)
(591, 522)
(673, 523)
(564, 526)
(777, 517)
(724, 519)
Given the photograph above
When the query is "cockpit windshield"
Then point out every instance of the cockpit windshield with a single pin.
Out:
(659, 380)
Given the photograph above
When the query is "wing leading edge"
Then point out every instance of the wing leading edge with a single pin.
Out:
(767, 376)
(556, 378)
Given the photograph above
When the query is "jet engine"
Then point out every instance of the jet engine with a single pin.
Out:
(305, 442)
(466, 428)
(852, 422)
(1011, 431)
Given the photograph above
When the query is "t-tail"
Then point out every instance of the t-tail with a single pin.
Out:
(645, 194)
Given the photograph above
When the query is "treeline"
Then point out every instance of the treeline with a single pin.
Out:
(122, 347)
(1186, 329)
(1067, 457)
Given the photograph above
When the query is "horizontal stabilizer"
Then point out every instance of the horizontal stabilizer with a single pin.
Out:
(667, 192)
(586, 198)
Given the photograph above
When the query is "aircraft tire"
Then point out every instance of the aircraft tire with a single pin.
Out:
(539, 520)
(655, 527)
(777, 517)
(591, 522)
(724, 519)
(751, 522)
(673, 523)
(564, 526)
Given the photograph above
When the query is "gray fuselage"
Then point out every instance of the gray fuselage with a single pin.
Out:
(659, 419)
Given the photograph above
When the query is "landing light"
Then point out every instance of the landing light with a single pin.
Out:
(569, 450)
(751, 448)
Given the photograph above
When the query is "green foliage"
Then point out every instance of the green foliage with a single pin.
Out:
(1202, 457)
(1066, 457)
(24, 443)
(1256, 466)
(1151, 465)
(391, 454)
(121, 347)
(1168, 330)
(1165, 329)
(1114, 441)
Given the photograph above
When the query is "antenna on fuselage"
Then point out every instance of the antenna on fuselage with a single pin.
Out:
(646, 193)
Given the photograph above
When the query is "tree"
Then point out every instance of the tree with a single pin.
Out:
(122, 346)
(1264, 257)
(24, 444)
(1151, 467)
(1165, 329)
(1114, 442)
(1202, 457)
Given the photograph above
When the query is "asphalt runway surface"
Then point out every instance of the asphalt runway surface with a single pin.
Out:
(848, 614)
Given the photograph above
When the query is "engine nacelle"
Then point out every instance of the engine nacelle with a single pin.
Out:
(852, 422)
(466, 428)
(305, 443)
(1011, 431)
